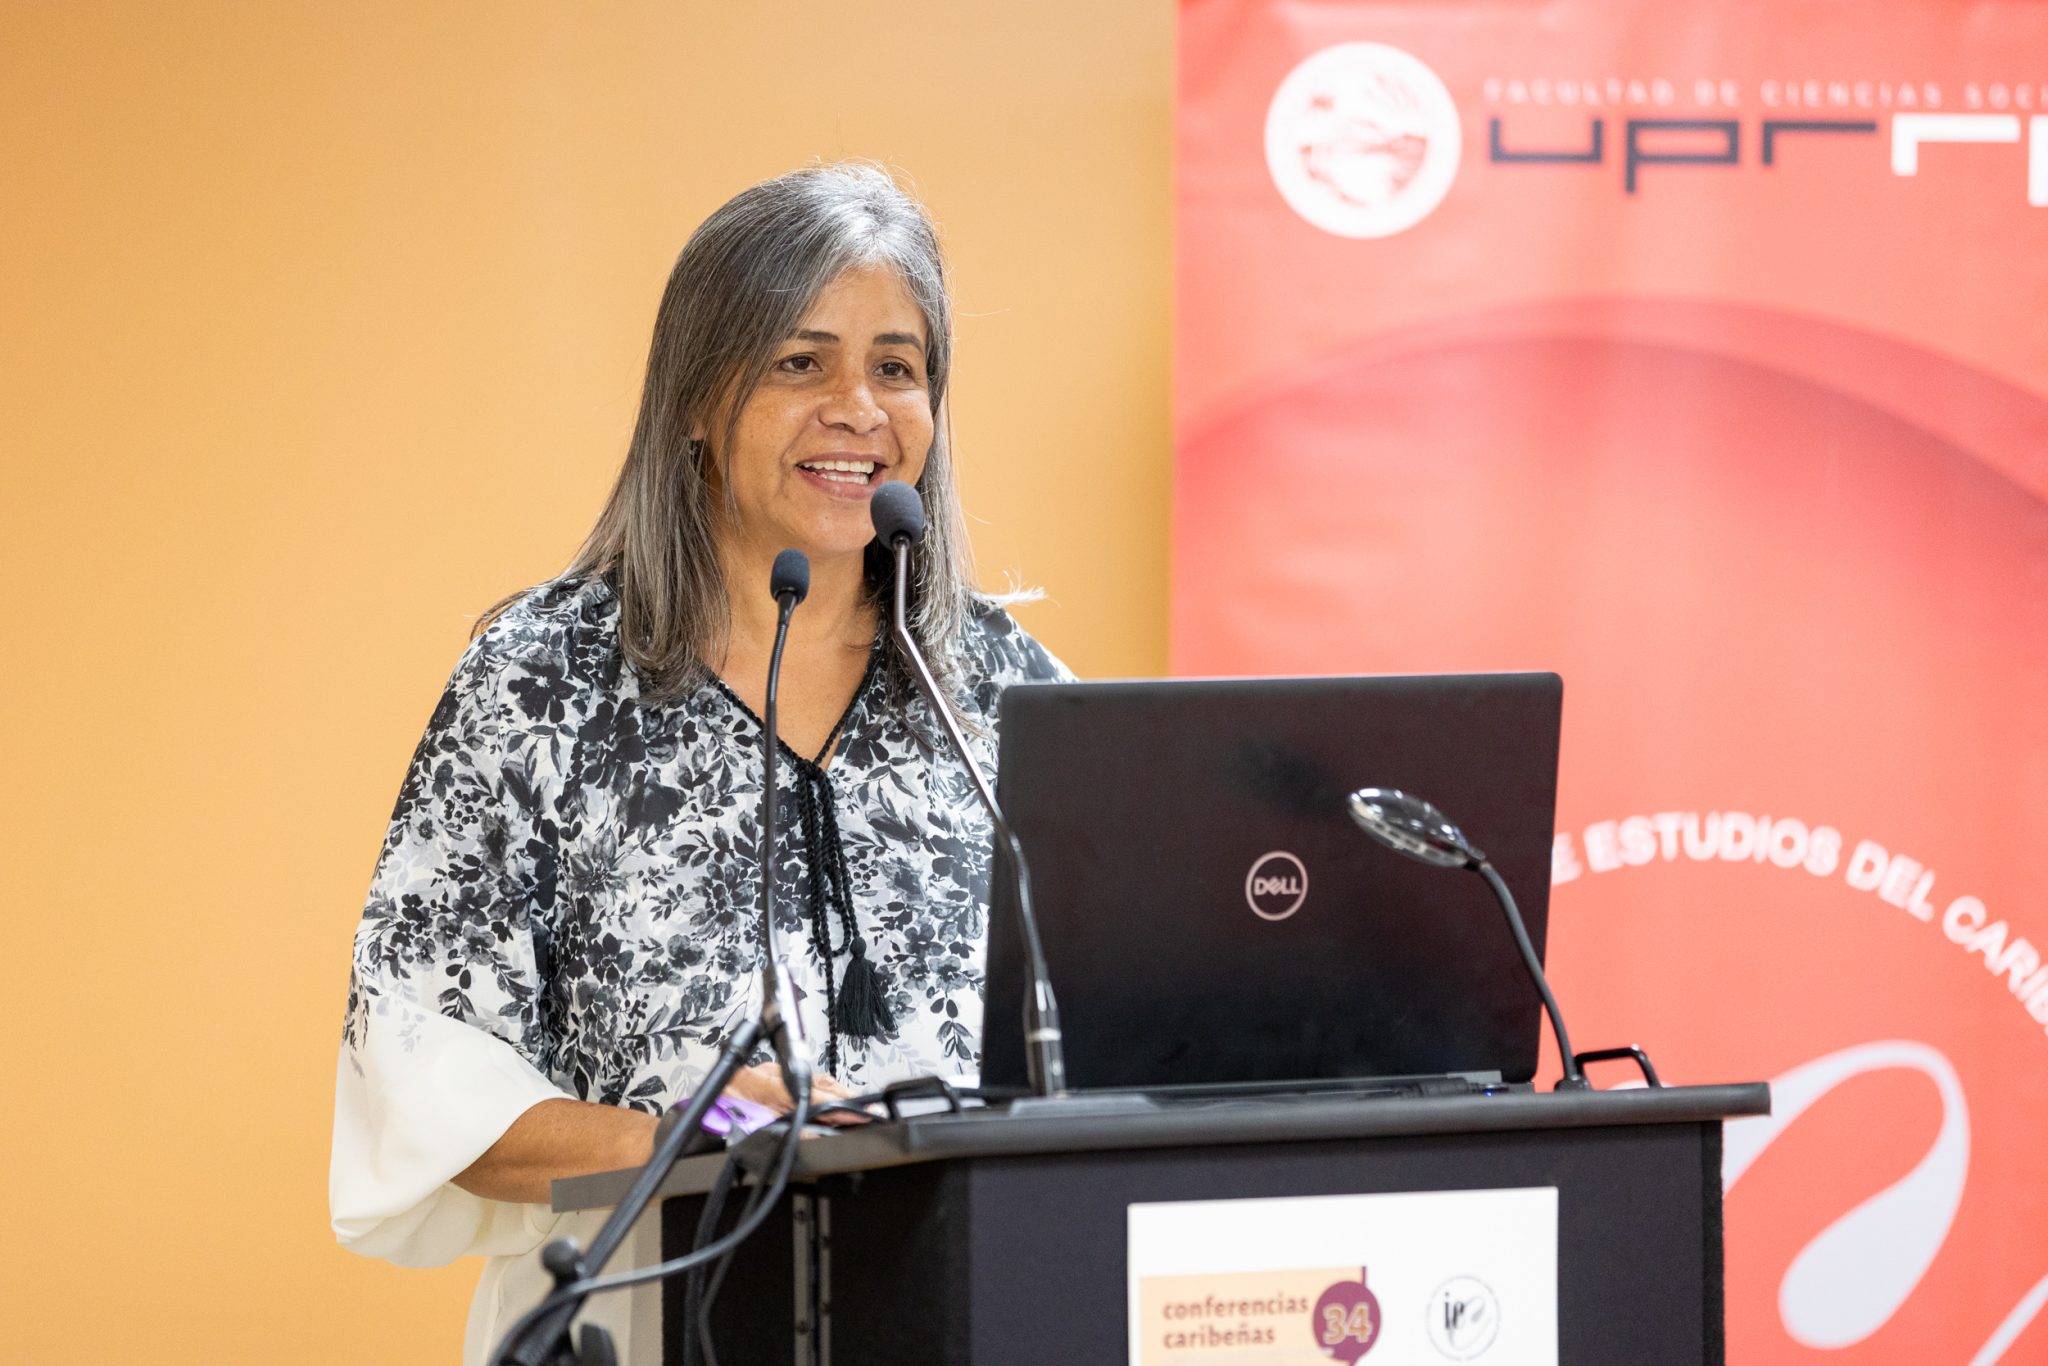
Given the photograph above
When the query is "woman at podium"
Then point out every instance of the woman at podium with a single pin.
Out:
(561, 928)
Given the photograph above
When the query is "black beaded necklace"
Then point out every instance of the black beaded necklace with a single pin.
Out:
(856, 1006)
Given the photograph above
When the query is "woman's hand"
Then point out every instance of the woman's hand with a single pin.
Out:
(762, 1084)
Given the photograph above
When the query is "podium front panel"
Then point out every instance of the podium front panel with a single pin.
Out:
(1020, 1260)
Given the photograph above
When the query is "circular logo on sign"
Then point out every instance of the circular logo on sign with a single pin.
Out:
(1347, 1320)
(1362, 140)
(1276, 886)
(1464, 1318)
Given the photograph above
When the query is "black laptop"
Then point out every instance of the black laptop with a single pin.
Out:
(1212, 917)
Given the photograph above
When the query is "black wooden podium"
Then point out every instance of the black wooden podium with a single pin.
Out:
(993, 1239)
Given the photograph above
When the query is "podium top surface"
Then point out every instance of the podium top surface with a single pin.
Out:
(1092, 1124)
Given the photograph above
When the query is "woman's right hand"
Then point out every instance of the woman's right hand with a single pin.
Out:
(762, 1084)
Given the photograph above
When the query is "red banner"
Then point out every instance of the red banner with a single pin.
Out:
(1700, 354)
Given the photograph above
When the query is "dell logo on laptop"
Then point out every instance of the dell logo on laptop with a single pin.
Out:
(1276, 886)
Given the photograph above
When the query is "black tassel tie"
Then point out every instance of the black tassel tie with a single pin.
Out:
(857, 1006)
(863, 1000)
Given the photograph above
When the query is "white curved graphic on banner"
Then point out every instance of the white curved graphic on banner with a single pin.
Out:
(1849, 1281)
(2015, 1323)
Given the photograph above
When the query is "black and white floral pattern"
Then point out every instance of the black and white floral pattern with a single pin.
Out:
(577, 872)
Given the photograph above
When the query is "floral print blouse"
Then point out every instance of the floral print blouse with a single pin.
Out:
(576, 873)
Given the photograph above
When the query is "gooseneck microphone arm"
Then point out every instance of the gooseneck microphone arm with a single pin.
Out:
(790, 583)
(899, 520)
(543, 1337)
(1410, 826)
(1044, 1051)
(1574, 1078)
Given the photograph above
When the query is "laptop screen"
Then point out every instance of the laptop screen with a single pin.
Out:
(1212, 915)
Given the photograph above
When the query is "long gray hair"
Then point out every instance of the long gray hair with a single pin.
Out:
(742, 284)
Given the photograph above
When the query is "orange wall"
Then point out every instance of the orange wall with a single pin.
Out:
(321, 328)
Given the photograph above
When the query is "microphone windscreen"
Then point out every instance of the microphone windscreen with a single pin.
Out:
(897, 511)
(791, 575)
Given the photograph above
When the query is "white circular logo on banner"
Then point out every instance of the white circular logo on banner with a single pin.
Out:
(1362, 140)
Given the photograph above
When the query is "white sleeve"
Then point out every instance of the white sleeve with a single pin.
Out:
(445, 1040)
(413, 1106)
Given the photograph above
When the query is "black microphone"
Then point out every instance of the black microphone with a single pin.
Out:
(542, 1337)
(898, 515)
(790, 579)
(789, 582)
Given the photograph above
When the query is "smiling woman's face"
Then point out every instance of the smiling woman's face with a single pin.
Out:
(846, 405)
